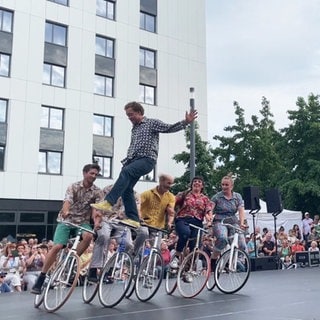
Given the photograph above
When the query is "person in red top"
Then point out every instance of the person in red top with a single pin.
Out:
(193, 207)
(297, 247)
(165, 253)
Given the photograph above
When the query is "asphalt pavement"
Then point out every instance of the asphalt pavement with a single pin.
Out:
(275, 294)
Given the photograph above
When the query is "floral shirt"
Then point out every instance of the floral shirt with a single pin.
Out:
(193, 205)
(80, 199)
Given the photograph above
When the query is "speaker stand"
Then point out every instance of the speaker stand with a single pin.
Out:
(253, 213)
(277, 257)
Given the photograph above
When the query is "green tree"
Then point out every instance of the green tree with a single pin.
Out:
(250, 150)
(301, 153)
(204, 165)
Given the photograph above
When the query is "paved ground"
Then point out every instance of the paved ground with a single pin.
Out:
(276, 295)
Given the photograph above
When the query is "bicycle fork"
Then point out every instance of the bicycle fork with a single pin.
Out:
(233, 258)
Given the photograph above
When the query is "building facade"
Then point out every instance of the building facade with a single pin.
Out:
(67, 68)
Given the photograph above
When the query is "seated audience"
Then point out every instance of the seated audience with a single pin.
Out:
(268, 247)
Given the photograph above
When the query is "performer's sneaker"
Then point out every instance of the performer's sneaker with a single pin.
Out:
(103, 206)
(130, 222)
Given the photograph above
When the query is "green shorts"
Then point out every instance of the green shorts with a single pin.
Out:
(62, 233)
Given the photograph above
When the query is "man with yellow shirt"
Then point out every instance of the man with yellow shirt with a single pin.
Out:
(156, 208)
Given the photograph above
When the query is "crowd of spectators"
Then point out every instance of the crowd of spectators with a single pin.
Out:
(21, 262)
(285, 243)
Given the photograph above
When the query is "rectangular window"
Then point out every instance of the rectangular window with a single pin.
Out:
(2, 152)
(63, 2)
(105, 164)
(105, 9)
(6, 18)
(53, 75)
(102, 125)
(56, 34)
(103, 85)
(105, 47)
(4, 65)
(3, 110)
(147, 94)
(50, 162)
(147, 22)
(32, 217)
(7, 216)
(147, 58)
(52, 118)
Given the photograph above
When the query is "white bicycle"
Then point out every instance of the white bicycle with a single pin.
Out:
(233, 266)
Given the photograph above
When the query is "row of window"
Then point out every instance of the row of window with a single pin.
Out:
(54, 74)
(50, 161)
(107, 9)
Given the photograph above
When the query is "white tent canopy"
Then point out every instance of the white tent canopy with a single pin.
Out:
(286, 218)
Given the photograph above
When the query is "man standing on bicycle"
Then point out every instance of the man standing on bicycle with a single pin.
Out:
(108, 224)
(76, 209)
(157, 209)
(226, 204)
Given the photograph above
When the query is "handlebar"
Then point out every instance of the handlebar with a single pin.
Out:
(199, 228)
(154, 228)
(229, 225)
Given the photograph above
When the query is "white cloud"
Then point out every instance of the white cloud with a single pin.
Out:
(260, 48)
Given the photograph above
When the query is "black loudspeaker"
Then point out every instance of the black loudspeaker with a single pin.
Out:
(274, 202)
(251, 198)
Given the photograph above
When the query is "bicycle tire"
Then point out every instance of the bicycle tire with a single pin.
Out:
(211, 283)
(171, 279)
(38, 299)
(193, 273)
(230, 281)
(115, 279)
(136, 264)
(148, 280)
(62, 283)
(89, 290)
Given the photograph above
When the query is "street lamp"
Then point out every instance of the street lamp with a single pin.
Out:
(192, 137)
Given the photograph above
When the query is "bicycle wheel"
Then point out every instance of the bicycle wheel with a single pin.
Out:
(136, 264)
(115, 279)
(62, 283)
(38, 299)
(89, 290)
(171, 279)
(211, 282)
(193, 273)
(230, 279)
(149, 276)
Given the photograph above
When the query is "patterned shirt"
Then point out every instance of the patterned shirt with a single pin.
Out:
(80, 199)
(226, 207)
(145, 138)
(154, 205)
(193, 205)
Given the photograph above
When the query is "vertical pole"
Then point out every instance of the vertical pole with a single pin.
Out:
(192, 138)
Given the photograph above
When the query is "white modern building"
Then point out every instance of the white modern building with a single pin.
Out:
(67, 68)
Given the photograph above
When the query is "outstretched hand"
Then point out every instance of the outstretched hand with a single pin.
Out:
(191, 116)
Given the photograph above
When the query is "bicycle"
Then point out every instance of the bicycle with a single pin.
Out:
(193, 272)
(90, 288)
(233, 266)
(65, 277)
(150, 272)
(117, 274)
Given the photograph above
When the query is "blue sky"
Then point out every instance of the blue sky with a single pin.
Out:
(260, 48)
